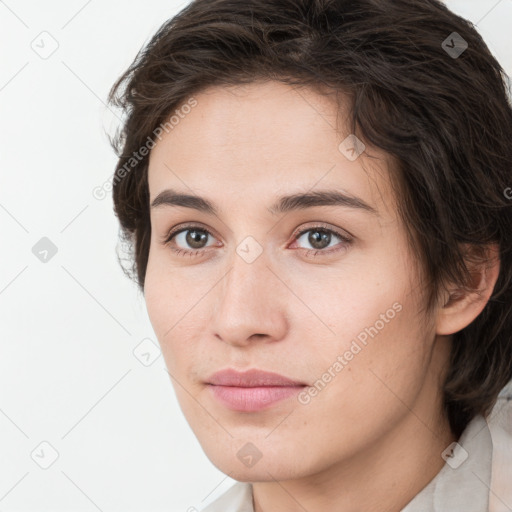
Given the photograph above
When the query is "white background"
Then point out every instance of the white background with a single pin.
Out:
(68, 328)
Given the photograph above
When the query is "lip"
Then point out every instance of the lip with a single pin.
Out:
(253, 390)
(251, 379)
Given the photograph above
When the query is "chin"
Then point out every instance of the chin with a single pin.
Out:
(242, 462)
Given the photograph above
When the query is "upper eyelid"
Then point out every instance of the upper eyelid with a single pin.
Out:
(176, 231)
(323, 226)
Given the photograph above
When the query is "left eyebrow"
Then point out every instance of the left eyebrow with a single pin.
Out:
(320, 198)
(298, 201)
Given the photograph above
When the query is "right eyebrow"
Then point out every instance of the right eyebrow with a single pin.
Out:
(170, 197)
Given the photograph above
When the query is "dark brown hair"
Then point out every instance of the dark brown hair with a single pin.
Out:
(443, 117)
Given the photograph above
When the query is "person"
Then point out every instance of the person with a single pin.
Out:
(317, 199)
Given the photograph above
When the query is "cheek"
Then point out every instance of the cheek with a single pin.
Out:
(379, 346)
(363, 303)
(166, 293)
(156, 296)
(165, 299)
(176, 309)
(384, 360)
(361, 388)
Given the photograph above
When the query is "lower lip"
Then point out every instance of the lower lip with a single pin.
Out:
(252, 399)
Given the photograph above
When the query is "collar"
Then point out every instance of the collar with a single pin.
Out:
(463, 482)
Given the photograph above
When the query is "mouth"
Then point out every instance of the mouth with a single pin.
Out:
(253, 390)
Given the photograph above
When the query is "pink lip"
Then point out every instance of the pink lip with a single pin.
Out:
(252, 390)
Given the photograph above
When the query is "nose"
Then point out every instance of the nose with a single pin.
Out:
(250, 304)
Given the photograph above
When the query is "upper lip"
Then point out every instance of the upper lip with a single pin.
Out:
(250, 378)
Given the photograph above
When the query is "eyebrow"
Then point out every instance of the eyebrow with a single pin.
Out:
(298, 201)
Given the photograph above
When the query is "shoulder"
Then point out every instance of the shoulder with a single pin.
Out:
(500, 426)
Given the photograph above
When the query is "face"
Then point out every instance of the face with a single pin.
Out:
(322, 292)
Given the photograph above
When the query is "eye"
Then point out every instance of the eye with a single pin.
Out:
(194, 236)
(320, 238)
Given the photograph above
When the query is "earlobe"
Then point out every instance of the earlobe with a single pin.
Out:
(458, 307)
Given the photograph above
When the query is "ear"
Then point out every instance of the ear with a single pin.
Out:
(458, 307)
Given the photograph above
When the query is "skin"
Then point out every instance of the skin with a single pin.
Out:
(372, 438)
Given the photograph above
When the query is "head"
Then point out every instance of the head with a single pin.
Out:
(243, 104)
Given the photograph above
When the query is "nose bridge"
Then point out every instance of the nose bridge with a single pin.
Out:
(247, 282)
(247, 300)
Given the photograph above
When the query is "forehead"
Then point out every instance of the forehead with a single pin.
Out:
(268, 112)
(261, 138)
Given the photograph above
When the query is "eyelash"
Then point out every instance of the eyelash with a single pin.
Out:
(322, 228)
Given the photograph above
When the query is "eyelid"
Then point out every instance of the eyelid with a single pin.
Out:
(342, 233)
(184, 227)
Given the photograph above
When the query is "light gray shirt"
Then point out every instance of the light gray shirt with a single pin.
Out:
(476, 477)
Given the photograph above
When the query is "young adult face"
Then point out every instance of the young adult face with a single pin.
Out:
(286, 310)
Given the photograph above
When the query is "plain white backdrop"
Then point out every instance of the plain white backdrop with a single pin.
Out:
(88, 416)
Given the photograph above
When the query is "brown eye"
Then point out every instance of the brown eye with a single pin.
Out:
(319, 238)
(194, 238)
(189, 240)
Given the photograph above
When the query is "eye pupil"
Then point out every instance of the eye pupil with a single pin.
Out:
(317, 241)
(195, 238)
